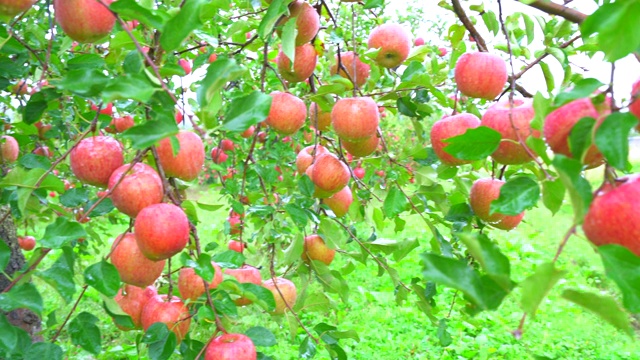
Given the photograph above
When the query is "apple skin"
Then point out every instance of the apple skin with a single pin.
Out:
(497, 117)
(362, 149)
(132, 300)
(173, 313)
(84, 21)
(304, 159)
(106, 110)
(236, 246)
(287, 114)
(483, 192)
(634, 107)
(189, 160)
(288, 290)
(134, 268)
(355, 119)
(191, 285)
(304, 63)
(614, 214)
(9, 149)
(42, 129)
(481, 75)
(26, 243)
(245, 274)
(509, 222)
(120, 124)
(316, 249)
(319, 119)
(14, 7)
(213, 57)
(307, 21)
(418, 42)
(43, 151)
(394, 44)
(361, 72)
(218, 156)
(359, 172)
(94, 159)
(162, 230)
(140, 188)
(339, 202)
(329, 175)
(231, 347)
(449, 127)
(185, 65)
(249, 132)
(227, 145)
(559, 123)
(442, 51)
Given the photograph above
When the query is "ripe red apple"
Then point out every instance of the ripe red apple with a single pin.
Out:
(187, 164)
(559, 123)
(94, 159)
(162, 230)
(236, 246)
(442, 51)
(359, 172)
(106, 110)
(179, 117)
(218, 155)
(42, 129)
(449, 127)
(316, 249)
(172, 312)
(262, 137)
(287, 113)
(634, 107)
(307, 21)
(43, 151)
(418, 41)
(227, 145)
(245, 274)
(320, 119)
(504, 119)
(285, 293)
(84, 21)
(185, 65)
(231, 347)
(483, 192)
(394, 44)
(120, 124)
(355, 119)
(26, 243)
(306, 155)
(11, 8)
(249, 132)
(381, 173)
(213, 57)
(132, 300)
(481, 75)
(134, 268)
(339, 202)
(329, 175)
(140, 188)
(303, 65)
(191, 285)
(363, 148)
(357, 70)
(509, 222)
(21, 88)
(9, 149)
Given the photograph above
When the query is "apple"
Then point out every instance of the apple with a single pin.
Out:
(120, 124)
(42, 129)
(307, 21)
(355, 119)
(305, 157)
(559, 123)
(179, 117)
(481, 75)
(213, 57)
(634, 107)
(504, 119)
(381, 173)
(359, 172)
(449, 127)
(509, 222)
(191, 285)
(287, 114)
(140, 188)
(483, 192)
(231, 347)
(188, 162)
(316, 249)
(185, 65)
(339, 202)
(320, 119)
(357, 70)
(262, 137)
(171, 312)
(218, 155)
(329, 175)
(303, 65)
(134, 268)
(361, 149)
(11, 8)
(394, 44)
(43, 151)
(236, 246)
(26, 243)
(614, 214)
(285, 293)
(9, 149)
(132, 300)
(21, 88)
(249, 132)
(418, 42)
(130, 25)
(84, 21)
(245, 274)
(235, 225)
(107, 110)
(94, 159)
(162, 230)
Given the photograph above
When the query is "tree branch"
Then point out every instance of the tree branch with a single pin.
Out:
(457, 8)
(552, 8)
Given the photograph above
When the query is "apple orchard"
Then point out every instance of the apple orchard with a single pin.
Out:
(313, 126)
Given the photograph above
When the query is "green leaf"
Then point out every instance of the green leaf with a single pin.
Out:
(85, 333)
(180, 26)
(33, 161)
(162, 342)
(297, 214)
(61, 232)
(87, 82)
(373, 4)
(131, 9)
(86, 61)
(129, 87)
(612, 139)
(262, 296)
(22, 296)
(5, 254)
(491, 21)
(603, 306)
(553, 194)
(307, 349)
(203, 267)
(261, 336)
(516, 195)
(229, 259)
(288, 39)
(529, 27)
(120, 318)
(548, 76)
(43, 350)
(60, 275)
(246, 111)
(74, 197)
(570, 173)
(12, 339)
(395, 203)
(474, 144)
(276, 9)
(443, 335)
(581, 89)
(616, 25)
(34, 109)
(488, 254)
(623, 267)
(580, 137)
(150, 132)
(219, 73)
(104, 277)
(536, 287)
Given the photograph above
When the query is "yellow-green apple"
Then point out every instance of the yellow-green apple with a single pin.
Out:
(191, 285)
(305, 157)
(355, 119)
(481, 75)
(483, 192)
(634, 107)
(188, 162)
(11, 8)
(287, 114)
(162, 230)
(339, 202)
(236, 246)
(134, 268)
(9, 149)
(307, 21)
(245, 274)
(84, 21)
(316, 249)
(120, 124)
(362, 148)
(448, 127)
(26, 243)
(231, 347)
(139, 188)
(329, 175)
(172, 312)
(132, 300)
(185, 65)
(303, 64)
(504, 119)
(320, 119)
(94, 159)
(394, 44)
(357, 70)
(614, 214)
(218, 155)
(285, 293)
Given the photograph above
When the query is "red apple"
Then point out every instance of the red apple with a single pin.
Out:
(320, 119)
(21, 88)
(236, 246)
(355, 119)
(185, 65)
(42, 129)
(26, 243)
(418, 41)
(481, 75)
(140, 188)
(362, 149)
(305, 157)
(9, 149)
(449, 127)
(357, 70)
(172, 312)
(287, 113)
(106, 110)
(359, 172)
(120, 124)
(393, 42)
(191, 285)
(227, 145)
(339, 202)
(213, 57)
(188, 162)
(179, 117)
(483, 192)
(381, 173)
(316, 249)
(307, 21)
(442, 51)
(85, 21)
(509, 222)
(249, 132)
(262, 137)
(231, 347)
(634, 107)
(134, 268)
(245, 274)
(43, 151)
(303, 65)
(162, 230)
(94, 159)
(11, 8)
(329, 175)
(218, 155)
(285, 293)
(235, 224)
(132, 300)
